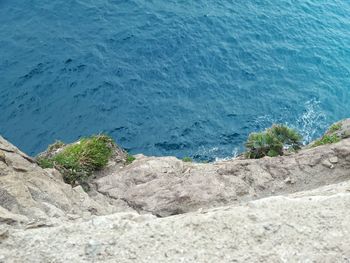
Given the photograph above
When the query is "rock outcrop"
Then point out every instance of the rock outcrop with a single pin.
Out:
(161, 209)
(307, 227)
(31, 195)
(167, 186)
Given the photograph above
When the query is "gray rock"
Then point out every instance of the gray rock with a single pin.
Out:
(333, 159)
(42, 219)
(4, 233)
(167, 186)
(344, 129)
(307, 227)
(28, 192)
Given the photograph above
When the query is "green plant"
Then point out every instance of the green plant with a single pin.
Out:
(272, 142)
(335, 127)
(326, 139)
(289, 137)
(45, 162)
(130, 159)
(262, 144)
(77, 161)
(187, 160)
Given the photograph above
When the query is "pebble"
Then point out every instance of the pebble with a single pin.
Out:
(333, 159)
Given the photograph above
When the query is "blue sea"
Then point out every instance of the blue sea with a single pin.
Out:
(183, 78)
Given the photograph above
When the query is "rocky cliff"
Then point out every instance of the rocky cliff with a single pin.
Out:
(160, 209)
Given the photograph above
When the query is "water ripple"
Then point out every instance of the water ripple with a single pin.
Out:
(184, 78)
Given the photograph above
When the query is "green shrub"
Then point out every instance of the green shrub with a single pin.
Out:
(326, 139)
(130, 159)
(272, 142)
(290, 138)
(187, 160)
(77, 161)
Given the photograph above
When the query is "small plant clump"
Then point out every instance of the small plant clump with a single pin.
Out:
(77, 161)
(335, 127)
(130, 159)
(272, 142)
(326, 139)
(45, 162)
(187, 160)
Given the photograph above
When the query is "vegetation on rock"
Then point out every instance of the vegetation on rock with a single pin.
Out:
(334, 134)
(77, 161)
(326, 139)
(187, 160)
(130, 159)
(335, 127)
(272, 142)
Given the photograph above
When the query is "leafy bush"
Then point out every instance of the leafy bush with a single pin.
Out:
(272, 142)
(77, 161)
(326, 139)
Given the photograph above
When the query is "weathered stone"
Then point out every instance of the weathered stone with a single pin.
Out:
(166, 186)
(2, 157)
(328, 164)
(10, 218)
(344, 129)
(333, 159)
(28, 192)
(43, 219)
(308, 227)
(4, 233)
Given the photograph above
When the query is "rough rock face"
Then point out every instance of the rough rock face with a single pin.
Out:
(307, 227)
(167, 186)
(29, 194)
(343, 131)
(42, 219)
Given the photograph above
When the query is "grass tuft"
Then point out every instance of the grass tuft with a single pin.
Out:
(77, 161)
(335, 127)
(326, 139)
(187, 160)
(45, 162)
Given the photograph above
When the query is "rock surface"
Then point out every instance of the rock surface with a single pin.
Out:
(307, 227)
(167, 186)
(343, 130)
(292, 208)
(30, 194)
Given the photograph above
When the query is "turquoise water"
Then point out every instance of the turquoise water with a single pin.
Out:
(184, 78)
